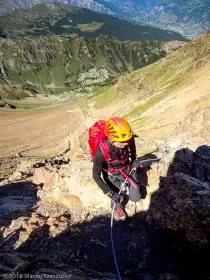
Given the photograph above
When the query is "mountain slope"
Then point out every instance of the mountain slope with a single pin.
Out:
(188, 17)
(168, 97)
(69, 21)
(7, 6)
(53, 64)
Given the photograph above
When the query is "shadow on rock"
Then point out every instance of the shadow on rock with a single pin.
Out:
(168, 242)
(143, 251)
(195, 164)
(16, 205)
(180, 212)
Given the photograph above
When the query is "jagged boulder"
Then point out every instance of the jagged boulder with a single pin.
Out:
(3, 34)
(182, 201)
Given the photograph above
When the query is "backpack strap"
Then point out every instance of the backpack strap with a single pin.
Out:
(105, 150)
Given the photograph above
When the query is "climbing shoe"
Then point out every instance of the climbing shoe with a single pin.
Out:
(119, 215)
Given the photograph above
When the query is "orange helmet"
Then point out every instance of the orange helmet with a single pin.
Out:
(118, 129)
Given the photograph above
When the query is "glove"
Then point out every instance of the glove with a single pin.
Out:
(115, 197)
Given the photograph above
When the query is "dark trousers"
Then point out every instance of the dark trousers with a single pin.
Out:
(138, 175)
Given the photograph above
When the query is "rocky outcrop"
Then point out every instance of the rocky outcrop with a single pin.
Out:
(177, 194)
(15, 92)
(182, 201)
(173, 46)
(3, 34)
(4, 104)
(53, 205)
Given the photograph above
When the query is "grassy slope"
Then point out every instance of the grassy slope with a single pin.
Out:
(143, 89)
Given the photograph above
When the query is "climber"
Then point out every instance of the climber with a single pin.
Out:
(109, 171)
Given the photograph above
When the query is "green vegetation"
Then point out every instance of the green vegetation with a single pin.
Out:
(68, 21)
(101, 95)
(154, 83)
(53, 65)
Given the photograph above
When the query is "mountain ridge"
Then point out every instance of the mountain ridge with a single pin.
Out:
(70, 21)
(188, 17)
(54, 65)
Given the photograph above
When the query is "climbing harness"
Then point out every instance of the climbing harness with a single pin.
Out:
(112, 218)
(114, 205)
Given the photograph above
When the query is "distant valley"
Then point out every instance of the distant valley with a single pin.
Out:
(188, 17)
(69, 21)
(55, 65)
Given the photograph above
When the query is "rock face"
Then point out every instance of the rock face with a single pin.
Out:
(182, 202)
(3, 34)
(53, 206)
(173, 46)
(52, 64)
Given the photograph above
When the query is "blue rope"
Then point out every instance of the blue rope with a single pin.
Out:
(112, 240)
(112, 218)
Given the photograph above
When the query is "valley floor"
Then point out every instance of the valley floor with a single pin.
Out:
(43, 132)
